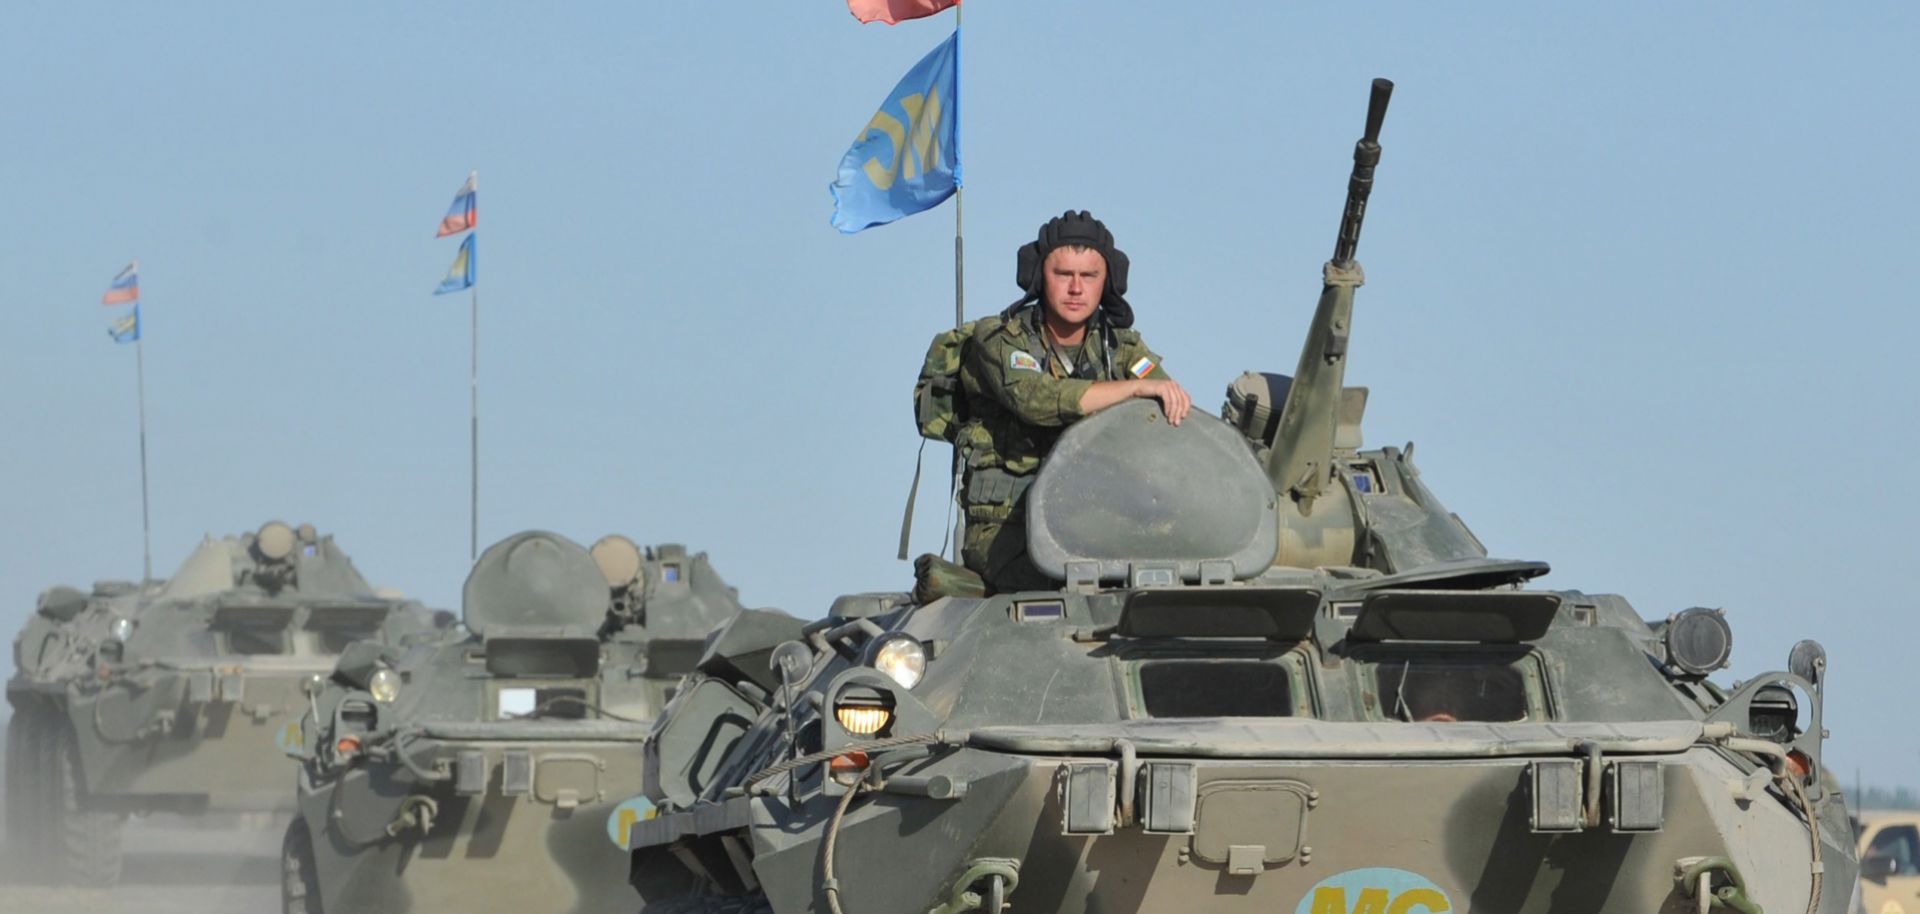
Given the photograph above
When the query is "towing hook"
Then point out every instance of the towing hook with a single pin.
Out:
(416, 811)
(1695, 877)
(996, 875)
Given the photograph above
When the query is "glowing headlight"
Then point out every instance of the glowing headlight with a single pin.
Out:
(121, 629)
(862, 720)
(384, 686)
(903, 659)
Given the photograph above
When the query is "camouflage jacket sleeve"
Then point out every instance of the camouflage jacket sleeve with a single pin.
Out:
(1004, 370)
(1128, 351)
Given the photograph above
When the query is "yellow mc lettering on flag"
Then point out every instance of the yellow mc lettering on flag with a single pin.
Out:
(1333, 900)
(915, 141)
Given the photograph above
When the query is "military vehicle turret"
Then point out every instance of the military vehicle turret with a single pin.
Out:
(168, 696)
(483, 773)
(1276, 677)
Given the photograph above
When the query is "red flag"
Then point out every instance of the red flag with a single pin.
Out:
(895, 11)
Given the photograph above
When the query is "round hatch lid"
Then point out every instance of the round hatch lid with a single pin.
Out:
(1124, 489)
(535, 584)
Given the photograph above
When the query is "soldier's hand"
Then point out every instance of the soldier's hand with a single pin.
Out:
(1174, 399)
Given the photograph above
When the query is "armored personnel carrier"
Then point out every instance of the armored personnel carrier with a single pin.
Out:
(483, 773)
(1277, 675)
(169, 696)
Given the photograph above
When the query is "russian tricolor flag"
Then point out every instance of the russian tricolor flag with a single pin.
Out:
(464, 212)
(893, 12)
(125, 288)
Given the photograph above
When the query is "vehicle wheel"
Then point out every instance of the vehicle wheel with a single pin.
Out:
(26, 795)
(299, 879)
(88, 840)
(755, 903)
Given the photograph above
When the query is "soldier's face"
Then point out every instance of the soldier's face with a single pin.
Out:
(1075, 280)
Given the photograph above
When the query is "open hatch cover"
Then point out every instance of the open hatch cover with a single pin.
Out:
(1496, 616)
(1277, 613)
(1123, 488)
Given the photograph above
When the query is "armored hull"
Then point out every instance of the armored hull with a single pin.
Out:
(171, 696)
(217, 751)
(1450, 831)
(487, 772)
(1276, 674)
(1534, 760)
(533, 836)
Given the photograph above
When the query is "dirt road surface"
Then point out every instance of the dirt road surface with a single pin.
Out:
(173, 866)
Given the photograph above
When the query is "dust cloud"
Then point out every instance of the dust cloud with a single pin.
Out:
(173, 865)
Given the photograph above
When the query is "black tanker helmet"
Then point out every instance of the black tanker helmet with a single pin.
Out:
(1075, 228)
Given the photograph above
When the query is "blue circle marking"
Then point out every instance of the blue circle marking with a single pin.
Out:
(621, 820)
(1375, 890)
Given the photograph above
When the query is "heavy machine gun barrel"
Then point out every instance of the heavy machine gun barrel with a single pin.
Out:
(1301, 464)
(1366, 155)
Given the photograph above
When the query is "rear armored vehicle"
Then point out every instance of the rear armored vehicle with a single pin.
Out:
(486, 773)
(170, 696)
(1275, 675)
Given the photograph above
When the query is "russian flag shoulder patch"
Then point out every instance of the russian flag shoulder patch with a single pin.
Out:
(1141, 368)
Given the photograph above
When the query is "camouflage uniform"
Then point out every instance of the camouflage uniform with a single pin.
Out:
(1019, 399)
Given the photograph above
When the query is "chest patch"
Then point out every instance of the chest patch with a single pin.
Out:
(1019, 360)
(1141, 368)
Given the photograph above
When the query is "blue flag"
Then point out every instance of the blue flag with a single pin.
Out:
(907, 158)
(463, 274)
(126, 328)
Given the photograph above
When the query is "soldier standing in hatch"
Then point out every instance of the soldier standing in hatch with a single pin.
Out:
(1065, 349)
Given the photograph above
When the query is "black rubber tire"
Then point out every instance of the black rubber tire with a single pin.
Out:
(87, 839)
(17, 742)
(26, 796)
(755, 903)
(299, 878)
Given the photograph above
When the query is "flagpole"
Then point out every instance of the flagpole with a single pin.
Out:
(140, 385)
(473, 447)
(959, 281)
(959, 196)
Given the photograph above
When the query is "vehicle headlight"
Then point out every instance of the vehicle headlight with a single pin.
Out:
(1699, 641)
(121, 629)
(862, 720)
(863, 711)
(384, 686)
(903, 658)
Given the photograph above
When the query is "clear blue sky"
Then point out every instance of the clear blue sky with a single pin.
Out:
(1640, 280)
